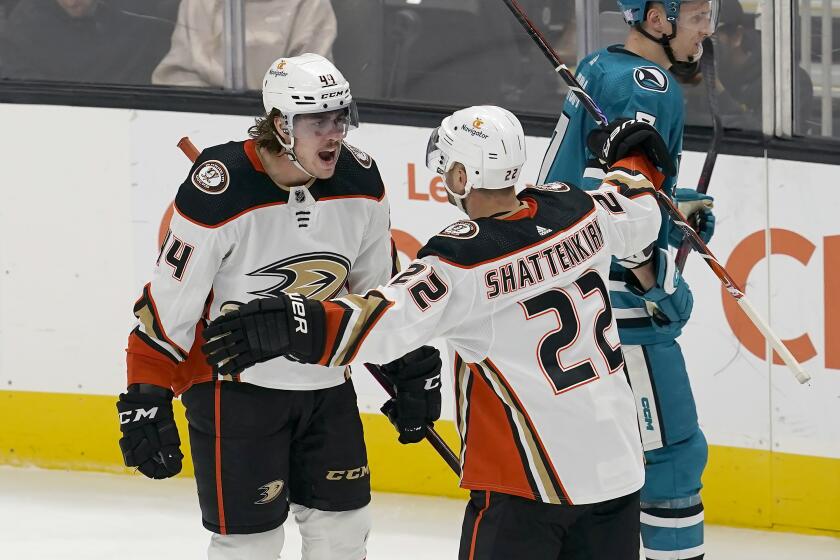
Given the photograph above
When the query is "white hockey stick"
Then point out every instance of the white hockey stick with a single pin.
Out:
(736, 292)
(679, 220)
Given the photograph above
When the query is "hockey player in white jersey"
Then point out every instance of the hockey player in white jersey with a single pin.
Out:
(292, 210)
(550, 446)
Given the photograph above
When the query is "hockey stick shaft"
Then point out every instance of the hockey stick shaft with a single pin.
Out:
(665, 203)
(709, 72)
(189, 149)
(736, 292)
(431, 435)
(559, 67)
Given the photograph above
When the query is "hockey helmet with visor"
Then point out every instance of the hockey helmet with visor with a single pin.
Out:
(693, 16)
(312, 97)
(488, 141)
(704, 19)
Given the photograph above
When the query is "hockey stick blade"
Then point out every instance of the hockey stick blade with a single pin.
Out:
(189, 149)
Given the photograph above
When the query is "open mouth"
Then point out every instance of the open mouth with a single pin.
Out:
(328, 157)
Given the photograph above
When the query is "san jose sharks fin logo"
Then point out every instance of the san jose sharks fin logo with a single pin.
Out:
(317, 276)
(651, 78)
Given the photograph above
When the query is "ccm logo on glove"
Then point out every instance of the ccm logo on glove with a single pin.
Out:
(432, 383)
(139, 414)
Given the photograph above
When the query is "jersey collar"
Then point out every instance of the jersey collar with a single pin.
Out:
(527, 209)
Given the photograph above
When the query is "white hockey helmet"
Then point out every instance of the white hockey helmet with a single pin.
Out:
(488, 141)
(307, 84)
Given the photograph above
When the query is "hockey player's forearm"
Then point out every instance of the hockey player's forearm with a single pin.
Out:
(645, 275)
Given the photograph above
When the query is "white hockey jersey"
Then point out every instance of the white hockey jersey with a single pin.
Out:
(234, 235)
(543, 406)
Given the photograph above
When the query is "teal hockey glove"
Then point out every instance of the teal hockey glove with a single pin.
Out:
(669, 300)
(694, 206)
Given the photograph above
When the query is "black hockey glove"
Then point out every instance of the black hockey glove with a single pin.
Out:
(263, 329)
(416, 378)
(621, 137)
(150, 439)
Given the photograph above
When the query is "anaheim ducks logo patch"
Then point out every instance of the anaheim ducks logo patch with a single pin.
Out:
(270, 491)
(211, 177)
(465, 229)
(313, 275)
(553, 187)
(362, 157)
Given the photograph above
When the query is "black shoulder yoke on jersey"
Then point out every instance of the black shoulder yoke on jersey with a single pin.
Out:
(226, 181)
(356, 175)
(559, 206)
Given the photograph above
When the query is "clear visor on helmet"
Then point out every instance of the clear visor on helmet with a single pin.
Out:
(699, 16)
(318, 125)
(436, 159)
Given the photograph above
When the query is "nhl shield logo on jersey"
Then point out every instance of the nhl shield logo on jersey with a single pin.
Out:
(553, 187)
(211, 177)
(651, 78)
(362, 157)
(464, 229)
(318, 275)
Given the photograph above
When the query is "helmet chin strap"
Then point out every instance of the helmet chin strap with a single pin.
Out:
(290, 153)
(684, 70)
(458, 199)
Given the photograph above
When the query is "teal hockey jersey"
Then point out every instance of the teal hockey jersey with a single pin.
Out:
(626, 85)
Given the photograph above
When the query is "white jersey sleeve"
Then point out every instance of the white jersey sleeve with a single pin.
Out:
(627, 202)
(415, 306)
(376, 262)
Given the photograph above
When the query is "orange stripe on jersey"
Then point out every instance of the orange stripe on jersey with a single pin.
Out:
(148, 365)
(492, 460)
(339, 197)
(522, 410)
(335, 315)
(521, 249)
(159, 324)
(220, 224)
(195, 368)
(529, 211)
(373, 317)
(638, 163)
(251, 151)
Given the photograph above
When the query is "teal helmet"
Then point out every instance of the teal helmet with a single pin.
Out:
(634, 10)
(634, 14)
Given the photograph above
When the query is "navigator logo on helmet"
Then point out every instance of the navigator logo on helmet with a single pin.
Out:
(488, 141)
(635, 11)
(304, 85)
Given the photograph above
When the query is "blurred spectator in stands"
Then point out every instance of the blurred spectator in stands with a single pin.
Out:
(739, 87)
(86, 40)
(272, 28)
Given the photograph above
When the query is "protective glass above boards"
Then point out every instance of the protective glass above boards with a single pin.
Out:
(90, 41)
(426, 52)
(815, 81)
(454, 52)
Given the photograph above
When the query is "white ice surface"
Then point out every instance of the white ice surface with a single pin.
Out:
(51, 515)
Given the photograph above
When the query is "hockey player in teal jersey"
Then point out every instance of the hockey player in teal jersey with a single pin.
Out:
(640, 80)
